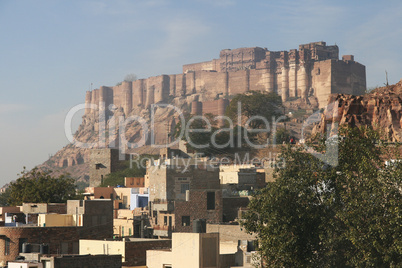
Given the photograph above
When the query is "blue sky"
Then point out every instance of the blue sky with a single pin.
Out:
(51, 51)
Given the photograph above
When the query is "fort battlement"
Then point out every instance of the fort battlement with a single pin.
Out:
(313, 69)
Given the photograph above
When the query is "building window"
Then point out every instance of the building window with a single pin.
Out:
(6, 246)
(248, 259)
(165, 220)
(185, 221)
(210, 200)
(184, 187)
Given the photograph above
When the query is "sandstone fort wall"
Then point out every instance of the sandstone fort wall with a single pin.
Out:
(313, 70)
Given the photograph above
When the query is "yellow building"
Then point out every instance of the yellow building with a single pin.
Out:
(56, 220)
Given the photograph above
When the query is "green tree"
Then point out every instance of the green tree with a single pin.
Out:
(4, 198)
(255, 104)
(37, 186)
(207, 135)
(317, 215)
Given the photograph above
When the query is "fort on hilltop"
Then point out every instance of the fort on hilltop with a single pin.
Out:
(314, 70)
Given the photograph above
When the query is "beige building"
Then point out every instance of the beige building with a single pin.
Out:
(238, 174)
(56, 220)
(24, 264)
(5, 210)
(195, 250)
(132, 250)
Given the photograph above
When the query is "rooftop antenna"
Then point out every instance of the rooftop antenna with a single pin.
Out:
(386, 77)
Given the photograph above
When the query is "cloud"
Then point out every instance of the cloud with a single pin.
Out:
(219, 3)
(181, 35)
(121, 7)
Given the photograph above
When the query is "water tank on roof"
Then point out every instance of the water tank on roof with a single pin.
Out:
(200, 226)
(44, 249)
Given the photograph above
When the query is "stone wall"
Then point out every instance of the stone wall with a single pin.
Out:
(289, 73)
(135, 251)
(196, 208)
(62, 240)
(79, 261)
(101, 163)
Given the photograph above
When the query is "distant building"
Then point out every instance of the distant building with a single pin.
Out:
(179, 194)
(103, 162)
(85, 219)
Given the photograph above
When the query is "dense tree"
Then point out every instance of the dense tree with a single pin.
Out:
(213, 135)
(38, 186)
(209, 135)
(130, 77)
(342, 215)
(4, 198)
(255, 104)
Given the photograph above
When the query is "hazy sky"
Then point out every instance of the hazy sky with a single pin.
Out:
(51, 51)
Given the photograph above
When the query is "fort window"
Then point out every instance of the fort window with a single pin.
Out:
(210, 200)
(185, 221)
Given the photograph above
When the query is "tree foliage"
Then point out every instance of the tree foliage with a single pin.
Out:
(206, 135)
(130, 77)
(213, 135)
(317, 215)
(37, 186)
(255, 104)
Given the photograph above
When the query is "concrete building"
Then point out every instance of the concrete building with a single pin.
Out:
(243, 176)
(8, 210)
(134, 182)
(24, 264)
(91, 219)
(180, 193)
(132, 251)
(99, 193)
(102, 162)
(39, 260)
(195, 250)
(33, 210)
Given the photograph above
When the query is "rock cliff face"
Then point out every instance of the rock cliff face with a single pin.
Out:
(381, 109)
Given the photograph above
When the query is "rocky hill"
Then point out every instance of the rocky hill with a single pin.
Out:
(115, 116)
(381, 109)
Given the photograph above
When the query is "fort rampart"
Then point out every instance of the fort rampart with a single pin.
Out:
(313, 70)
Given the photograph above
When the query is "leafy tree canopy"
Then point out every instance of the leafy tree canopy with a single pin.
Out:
(37, 186)
(207, 135)
(255, 104)
(317, 215)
